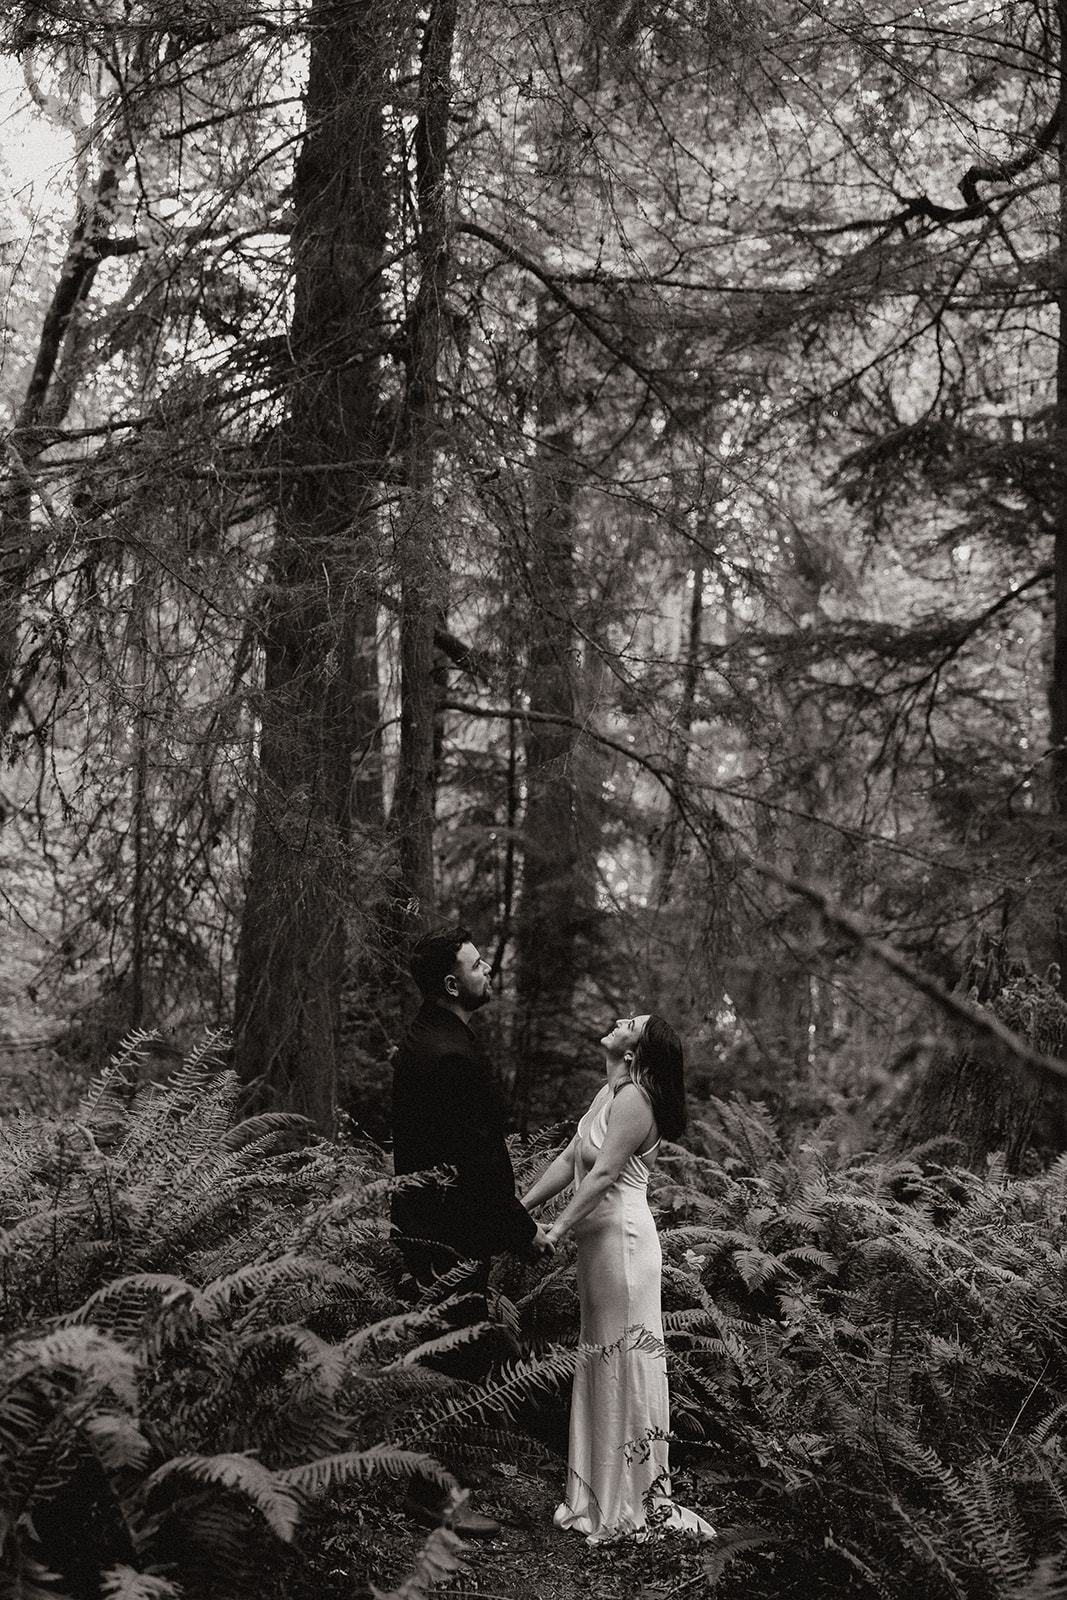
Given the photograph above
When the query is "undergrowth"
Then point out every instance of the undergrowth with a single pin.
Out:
(211, 1361)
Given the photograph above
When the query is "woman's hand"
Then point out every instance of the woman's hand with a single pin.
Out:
(542, 1243)
(628, 1126)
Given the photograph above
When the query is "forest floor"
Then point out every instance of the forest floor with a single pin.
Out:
(529, 1559)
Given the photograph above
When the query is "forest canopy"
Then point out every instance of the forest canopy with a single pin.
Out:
(548, 464)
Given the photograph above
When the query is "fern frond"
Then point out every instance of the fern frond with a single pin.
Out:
(117, 1441)
(683, 1283)
(746, 1132)
(437, 1562)
(856, 1561)
(503, 1395)
(254, 1134)
(327, 1361)
(124, 1583)
(101, 1361)
(122, 1305)
(996, 1522)
(812, 1257)
(210, 1053)
(444, 1344)
(32, 1581)
(272, 1497)
(357, 1466)
(727, 1338)
(759, 1268)
(1047, 1581)
(106, 1097)
(449, 1287)
(133, 1051)
(254, 1281)
(395, 1329)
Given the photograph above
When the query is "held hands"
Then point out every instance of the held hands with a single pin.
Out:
(542, 1244)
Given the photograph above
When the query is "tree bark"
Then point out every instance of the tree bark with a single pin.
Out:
(319, 710)
(21, 545)
(1057, 695)
(680, 734)
(422, 567)
(555, 905)
(1058, 685)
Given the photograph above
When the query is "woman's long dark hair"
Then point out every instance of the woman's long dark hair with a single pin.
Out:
(659, 1067)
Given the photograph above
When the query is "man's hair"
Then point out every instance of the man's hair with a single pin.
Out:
(434, 957)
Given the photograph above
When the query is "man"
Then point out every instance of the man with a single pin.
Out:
(447, 1112)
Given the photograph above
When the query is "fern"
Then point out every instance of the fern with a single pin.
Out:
(503, 1395)
(357, 1466)
(124, 1583)
(437, 1562)
(871, 1354)
(104, 1364)
(1047, 1581)
(116, 1441)
(271, 1495)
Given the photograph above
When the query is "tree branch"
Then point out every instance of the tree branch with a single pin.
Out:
(477, 664)
(921, 206)
(588, 320)
(998, 1039)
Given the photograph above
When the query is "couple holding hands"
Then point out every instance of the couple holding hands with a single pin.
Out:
(447, 1113)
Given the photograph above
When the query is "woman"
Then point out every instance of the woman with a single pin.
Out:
(617, 1479)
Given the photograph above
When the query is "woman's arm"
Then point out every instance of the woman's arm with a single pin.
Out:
(627, 1129)
(553, 1180)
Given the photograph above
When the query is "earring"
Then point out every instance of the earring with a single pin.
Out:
(628, 1056)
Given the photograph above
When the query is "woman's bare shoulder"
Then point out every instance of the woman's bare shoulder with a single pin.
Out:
(631, 1098)
(632, 1089)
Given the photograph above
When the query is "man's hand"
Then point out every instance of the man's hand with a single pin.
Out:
(541, 1245)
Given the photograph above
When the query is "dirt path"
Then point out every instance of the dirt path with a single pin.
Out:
(529, 1560)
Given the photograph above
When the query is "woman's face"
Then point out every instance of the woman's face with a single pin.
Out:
(624, 1035)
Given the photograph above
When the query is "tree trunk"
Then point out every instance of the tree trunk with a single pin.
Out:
(1058, 685)
(555, 906)
(21, 545)
(319, 711)
(422, 571)
(680, 733)
(1057, 694)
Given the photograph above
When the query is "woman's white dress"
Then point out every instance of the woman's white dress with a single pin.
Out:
(617, 1477)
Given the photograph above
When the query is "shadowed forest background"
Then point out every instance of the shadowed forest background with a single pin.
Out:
(595, 470)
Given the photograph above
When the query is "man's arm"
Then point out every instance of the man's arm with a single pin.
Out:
(472, 1140)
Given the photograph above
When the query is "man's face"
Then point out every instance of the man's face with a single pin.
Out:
(468, 981)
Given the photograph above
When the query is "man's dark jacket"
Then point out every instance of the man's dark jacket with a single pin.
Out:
(447, 1112)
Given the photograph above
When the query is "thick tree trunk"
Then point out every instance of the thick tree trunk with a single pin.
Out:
(422, 568)
(319, 713)
(555, 905)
